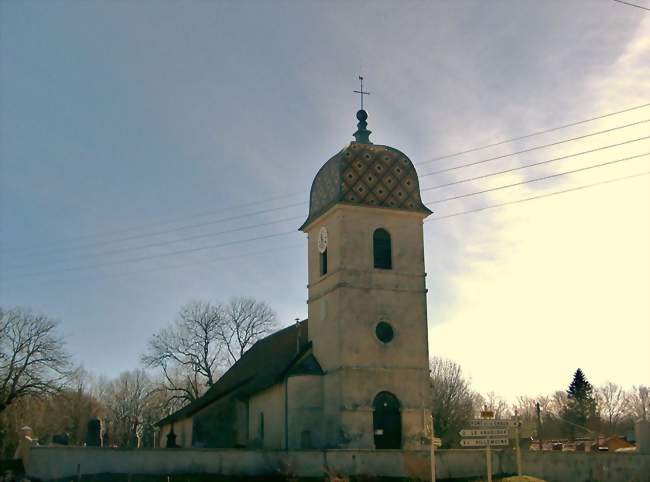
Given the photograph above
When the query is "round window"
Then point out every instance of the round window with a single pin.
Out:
(384, 332)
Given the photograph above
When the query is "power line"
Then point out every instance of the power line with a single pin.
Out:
(202, 248)
(166, 243)
(532, 134)
(208, 213)
(197, 263)
(172, 230)
(633, 5)
(540, 196)
(530, 149)
(484, 176)
(543, 178)
(78, 268)
(161, 255)
(256, 225)
(160, 223)
(94, 244)
(205, 235)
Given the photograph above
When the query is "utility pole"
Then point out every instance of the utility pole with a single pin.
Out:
(539, 426)
(488, 414)
(517, 442)
(433, 452)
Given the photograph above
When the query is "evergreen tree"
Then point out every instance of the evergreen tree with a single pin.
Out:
(581, 403)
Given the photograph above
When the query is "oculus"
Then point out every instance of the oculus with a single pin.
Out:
(384, 332)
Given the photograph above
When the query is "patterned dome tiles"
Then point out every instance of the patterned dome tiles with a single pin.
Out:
(366, 174)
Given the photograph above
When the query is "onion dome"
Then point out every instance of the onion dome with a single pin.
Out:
(366, 174)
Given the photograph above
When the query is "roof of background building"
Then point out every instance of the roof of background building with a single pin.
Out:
(266, 363)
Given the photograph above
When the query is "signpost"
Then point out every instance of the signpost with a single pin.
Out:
(491, 423)
(487, 432)
(483, 442)
(493, 432)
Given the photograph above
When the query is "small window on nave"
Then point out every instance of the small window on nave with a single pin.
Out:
(382, 249)
(261, 428)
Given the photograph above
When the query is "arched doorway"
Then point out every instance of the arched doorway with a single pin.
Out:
(387, 421)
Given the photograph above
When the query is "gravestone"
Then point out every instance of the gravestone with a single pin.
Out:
(171, 440)
(94, 433)
(61, 439)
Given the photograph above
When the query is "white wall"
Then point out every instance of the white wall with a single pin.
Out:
(270, 402)
(305, 411)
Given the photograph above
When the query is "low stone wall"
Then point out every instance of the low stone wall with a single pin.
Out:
(549, 466)
(465, 463)
(587, 467)
(47, 463)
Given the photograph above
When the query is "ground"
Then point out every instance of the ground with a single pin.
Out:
(217, 478)
(523, 478)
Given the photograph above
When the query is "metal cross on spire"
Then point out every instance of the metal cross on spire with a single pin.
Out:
(361, 92)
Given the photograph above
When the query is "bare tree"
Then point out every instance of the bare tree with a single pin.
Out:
(246, 321)
(130, 407)
(612, 404)
(33, 360)
(558, 402)
(452, 399)
(525, 407)
(496, 404)
(638, 402)
(189, 352)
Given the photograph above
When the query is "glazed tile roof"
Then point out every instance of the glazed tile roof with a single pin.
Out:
(366, 174)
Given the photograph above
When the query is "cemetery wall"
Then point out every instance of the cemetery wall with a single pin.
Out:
(550, 466)
(585, 466)
(47, 463)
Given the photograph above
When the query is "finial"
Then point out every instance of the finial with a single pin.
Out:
(363, 134)
(361, 92)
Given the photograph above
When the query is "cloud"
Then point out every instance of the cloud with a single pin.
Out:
(551, 285)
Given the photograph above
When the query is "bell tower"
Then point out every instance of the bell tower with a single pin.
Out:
(367, 296)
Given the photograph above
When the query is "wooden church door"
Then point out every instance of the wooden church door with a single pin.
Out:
(387, 421)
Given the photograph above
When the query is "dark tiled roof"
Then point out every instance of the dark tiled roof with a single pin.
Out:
(369, 175)
(265, 364)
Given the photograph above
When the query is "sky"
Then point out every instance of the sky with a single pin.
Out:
(133, 134)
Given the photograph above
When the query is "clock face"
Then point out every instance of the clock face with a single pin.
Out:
(322, 240)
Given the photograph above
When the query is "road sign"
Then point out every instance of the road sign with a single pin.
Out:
(484, 432)
(483, 442)
(486, 423)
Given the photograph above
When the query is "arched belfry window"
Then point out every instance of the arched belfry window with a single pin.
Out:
(323, 262)
(381, 249)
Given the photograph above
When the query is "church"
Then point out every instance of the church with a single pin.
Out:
(354, 375)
